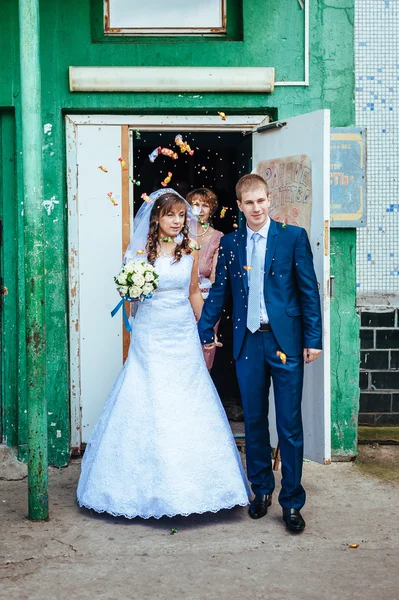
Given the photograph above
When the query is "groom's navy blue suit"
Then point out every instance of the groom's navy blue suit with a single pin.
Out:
(293, 307)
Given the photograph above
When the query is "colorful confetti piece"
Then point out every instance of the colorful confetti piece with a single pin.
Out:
(103, 169)
(154, 154)
(110, 196)
(167, 179)
(184, 146)
(248, 268)
(222, 116)
(223, 212)
(123, 163)
(140, 251)
(138, 134)
(194, 246)
(169, 152)
(145, 197)
(282, 356)
(354, 545)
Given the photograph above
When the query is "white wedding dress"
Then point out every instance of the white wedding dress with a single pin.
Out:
(163, 444)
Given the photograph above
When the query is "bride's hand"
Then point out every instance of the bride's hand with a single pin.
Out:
(215, 344)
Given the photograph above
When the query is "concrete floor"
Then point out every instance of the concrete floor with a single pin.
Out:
(78, 555)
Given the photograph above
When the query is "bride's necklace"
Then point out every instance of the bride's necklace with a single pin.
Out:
(169, 240)
(205, 227)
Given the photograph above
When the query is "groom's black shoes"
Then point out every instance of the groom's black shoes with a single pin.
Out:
(259, 505)
(293, 520)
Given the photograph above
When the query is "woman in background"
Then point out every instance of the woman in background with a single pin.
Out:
(205, 204)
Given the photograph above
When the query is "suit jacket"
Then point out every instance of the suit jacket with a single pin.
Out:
(290, 290)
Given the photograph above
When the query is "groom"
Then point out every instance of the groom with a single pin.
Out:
(268, 268)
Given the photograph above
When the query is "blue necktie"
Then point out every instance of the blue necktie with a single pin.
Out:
(255, 286)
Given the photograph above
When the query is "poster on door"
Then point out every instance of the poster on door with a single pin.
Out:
(290, 185)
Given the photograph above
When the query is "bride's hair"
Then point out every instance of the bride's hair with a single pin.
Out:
(161, 206)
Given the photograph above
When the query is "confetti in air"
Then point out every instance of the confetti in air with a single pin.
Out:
(169, 152)
(110, 196)
(223, 212)
(103, 169)
(247, 268)
(167, 179)
(145, 197)
(123, 163)
(195, 246)
(134, 181)
(222, 116)
(138, 134)
(184, 146)
(165, 151)
(282, 356)
(154, 154)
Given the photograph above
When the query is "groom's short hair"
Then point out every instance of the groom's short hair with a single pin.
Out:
(249, 182)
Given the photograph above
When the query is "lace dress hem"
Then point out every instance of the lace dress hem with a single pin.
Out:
(215, 509)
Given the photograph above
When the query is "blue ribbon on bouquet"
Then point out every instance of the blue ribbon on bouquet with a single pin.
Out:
(125, 317)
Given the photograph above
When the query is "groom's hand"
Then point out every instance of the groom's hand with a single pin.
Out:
(310, 354)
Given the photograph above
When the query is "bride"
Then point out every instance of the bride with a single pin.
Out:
(163, 444)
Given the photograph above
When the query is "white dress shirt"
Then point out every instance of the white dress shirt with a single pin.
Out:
(262, 247)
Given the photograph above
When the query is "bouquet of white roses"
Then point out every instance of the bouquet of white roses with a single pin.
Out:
(137, 280)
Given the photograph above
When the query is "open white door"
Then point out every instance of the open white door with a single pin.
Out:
(98, 233)
(97, 228)
(295, 160)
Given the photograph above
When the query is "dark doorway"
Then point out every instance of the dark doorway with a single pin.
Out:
(219, 160)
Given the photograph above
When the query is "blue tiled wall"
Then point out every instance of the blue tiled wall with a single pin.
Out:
(377, 108)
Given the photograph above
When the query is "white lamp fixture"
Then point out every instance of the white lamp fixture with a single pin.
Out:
(171, 79)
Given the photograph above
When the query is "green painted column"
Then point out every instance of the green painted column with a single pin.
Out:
(34, 253)
(345, 352)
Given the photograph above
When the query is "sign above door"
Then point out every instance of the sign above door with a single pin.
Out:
(172, 79)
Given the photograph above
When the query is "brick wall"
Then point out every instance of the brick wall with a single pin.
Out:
(379, 367)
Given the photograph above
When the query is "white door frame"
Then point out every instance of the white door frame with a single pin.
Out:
(243, 123)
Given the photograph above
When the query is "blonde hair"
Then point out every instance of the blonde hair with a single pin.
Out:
(205, 194)
(249, 182)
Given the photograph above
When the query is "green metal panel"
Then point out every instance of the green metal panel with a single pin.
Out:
(9, 274)
(22, 387)
(271, 36)
(345, 353)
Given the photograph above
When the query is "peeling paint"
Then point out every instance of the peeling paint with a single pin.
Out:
(47, 128)
(58, 433)
(49, 205)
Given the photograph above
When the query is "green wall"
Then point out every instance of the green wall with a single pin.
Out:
(269, 34)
